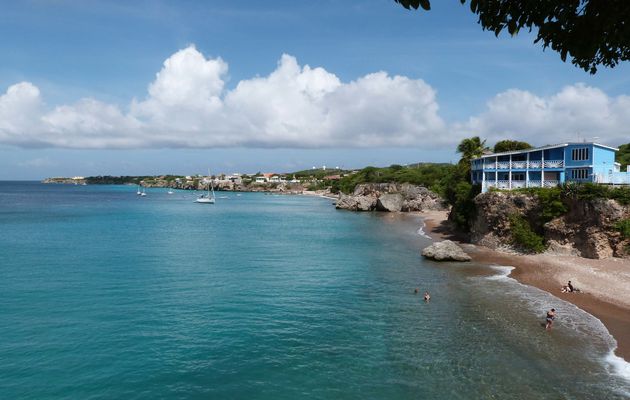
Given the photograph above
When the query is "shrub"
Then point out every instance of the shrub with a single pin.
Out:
(623, 227)
(524, 237)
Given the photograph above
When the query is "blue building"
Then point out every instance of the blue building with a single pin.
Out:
(549, 166)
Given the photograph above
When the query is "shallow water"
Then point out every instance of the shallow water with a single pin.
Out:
(104, 294)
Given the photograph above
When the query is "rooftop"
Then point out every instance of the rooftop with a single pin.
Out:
(550, 146)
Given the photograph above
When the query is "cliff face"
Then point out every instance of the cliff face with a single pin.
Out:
(391, 197)
(586, 229)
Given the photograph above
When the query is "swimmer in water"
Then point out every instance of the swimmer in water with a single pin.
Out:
(551, 315)
(427, 297)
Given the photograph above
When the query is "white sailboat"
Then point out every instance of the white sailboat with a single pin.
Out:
(139, 192)
(143, 193)
(169, 192)
(207, 198)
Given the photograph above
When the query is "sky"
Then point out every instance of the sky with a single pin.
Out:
(151, 87)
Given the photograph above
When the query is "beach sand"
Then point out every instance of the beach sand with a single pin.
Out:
(604, 284)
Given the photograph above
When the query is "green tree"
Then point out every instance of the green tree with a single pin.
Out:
(470, 148)
(511, 145)
(623, 156)
(590, 32)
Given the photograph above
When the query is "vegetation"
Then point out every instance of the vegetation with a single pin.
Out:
(432, 176)
(623, 156)
(469, 149)
(551, 201)
(115, 180)
(524, 237)
(623, 227)
(510, 145)
(590, 32)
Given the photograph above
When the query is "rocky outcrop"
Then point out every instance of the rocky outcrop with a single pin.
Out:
(445, 251)
(392, 197)
(586, 229)
(390, 202)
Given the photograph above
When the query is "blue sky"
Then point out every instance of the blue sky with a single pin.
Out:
(84, 68)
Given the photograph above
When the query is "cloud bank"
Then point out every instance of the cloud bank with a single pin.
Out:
(188, 105)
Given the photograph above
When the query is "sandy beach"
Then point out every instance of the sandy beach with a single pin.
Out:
(604, 284)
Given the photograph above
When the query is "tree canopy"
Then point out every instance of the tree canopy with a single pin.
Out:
(510, 145)
(590, 32)
(623, 156)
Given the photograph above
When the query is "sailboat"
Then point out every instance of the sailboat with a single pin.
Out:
(139, 192)
(169, 191)
(143, 193)
(207, 198)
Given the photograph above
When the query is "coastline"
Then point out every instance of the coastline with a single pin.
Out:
(605, 283)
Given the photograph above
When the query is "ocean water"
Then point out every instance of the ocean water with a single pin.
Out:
(107, 295)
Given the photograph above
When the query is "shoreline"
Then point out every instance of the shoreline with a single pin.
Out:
(598, 279)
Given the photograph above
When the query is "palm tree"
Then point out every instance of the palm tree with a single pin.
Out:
(470, 148)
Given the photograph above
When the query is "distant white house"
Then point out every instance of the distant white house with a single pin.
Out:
(261, 179)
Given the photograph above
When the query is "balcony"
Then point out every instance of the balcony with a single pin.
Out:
(524, 164)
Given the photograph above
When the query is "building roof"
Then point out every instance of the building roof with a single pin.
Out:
(551, 146)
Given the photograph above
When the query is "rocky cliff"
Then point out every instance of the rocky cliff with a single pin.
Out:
(392, 197)
(586, 229)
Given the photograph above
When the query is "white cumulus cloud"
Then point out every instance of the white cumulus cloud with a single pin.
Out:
(295, 106)
(577, 111)
(187, 105)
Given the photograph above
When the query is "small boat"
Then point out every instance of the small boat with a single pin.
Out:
(207, 198)
(169, 192)
(139, 193)
(143, 193)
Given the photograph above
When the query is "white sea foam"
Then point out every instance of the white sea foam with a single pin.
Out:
(573, 318)
(504, 273)
(421, 232)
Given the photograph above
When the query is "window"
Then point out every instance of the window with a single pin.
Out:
(518, 176)
(581, 173)
(579, 154)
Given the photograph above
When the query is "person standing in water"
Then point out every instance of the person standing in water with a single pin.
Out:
(427, 297)
(551, 315)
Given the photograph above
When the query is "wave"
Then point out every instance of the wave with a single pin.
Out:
(573, 318)
(421, 231)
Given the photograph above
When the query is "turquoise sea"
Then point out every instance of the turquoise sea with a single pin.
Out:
(108, 295)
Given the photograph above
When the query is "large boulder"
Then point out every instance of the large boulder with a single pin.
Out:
(445, 251)
(356, 203)
(390, 202)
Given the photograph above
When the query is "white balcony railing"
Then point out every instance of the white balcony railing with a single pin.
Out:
(518, 184)
(535, 164)
(519, 164)
(503, 184)
(551, 183)
(534, 184)
(554, 164)
(524, 164)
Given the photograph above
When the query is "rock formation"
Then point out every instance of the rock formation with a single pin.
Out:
(392, 197)
(445, 251)
(586, 229)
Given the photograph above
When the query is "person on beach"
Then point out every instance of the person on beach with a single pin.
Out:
(427, 297)
(551, 315)
(570, 286)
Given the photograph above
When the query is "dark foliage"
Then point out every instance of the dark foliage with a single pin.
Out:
(510, 145)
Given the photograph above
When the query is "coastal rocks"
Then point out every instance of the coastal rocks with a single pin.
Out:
(587, 229)
(390, 202)
(445, 251)
(390, 197)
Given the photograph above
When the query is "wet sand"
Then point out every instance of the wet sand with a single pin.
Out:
(604, 284)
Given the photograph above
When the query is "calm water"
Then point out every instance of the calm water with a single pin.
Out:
(104, 294)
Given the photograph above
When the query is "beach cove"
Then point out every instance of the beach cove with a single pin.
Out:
(604, 284)
(266, 296)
